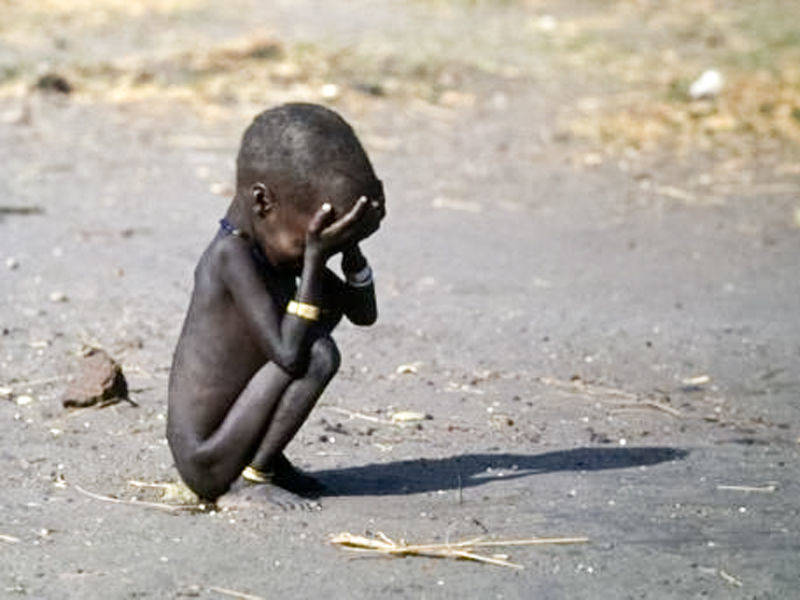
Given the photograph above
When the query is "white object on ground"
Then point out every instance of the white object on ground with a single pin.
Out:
(708, 85)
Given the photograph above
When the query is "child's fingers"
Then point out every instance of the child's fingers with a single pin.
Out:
(375, 214)
(354, 215)
(359, 222)
(321, 218)
(377, 209)
(358, 210)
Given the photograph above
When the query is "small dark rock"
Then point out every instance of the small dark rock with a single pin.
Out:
(53, 82)
(99, 379)
(334, 428)
(691, 389)
(598, 436)
(371, 89)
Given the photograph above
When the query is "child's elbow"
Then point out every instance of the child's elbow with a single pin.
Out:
(364, 319)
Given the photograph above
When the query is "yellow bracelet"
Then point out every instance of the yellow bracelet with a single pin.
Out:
(253, 475)
(303, 310)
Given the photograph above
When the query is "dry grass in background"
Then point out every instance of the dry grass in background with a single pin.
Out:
(634, 61)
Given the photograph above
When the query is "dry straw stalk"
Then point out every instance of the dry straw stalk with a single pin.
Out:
(464, 550)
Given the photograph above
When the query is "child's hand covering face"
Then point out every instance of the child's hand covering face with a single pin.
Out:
(326, 238)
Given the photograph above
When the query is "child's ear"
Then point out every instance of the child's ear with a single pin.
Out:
(263, 202)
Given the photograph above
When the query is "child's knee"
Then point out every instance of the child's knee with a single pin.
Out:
(325, 359)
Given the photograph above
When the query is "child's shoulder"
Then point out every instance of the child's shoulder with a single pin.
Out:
(226, 248)
(223, 254)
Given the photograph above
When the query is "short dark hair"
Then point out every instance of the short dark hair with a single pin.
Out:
(303, 150)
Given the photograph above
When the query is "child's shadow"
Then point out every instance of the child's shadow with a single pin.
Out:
(468, 470)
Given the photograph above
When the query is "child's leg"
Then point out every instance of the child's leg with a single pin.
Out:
(262, 420)
(292, 411)
(212, 442)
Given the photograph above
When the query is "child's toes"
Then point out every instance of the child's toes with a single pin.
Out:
(265, 496)
(289, 501)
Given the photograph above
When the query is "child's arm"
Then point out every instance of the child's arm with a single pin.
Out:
(285, 339)
(355, 297)
(358, 294)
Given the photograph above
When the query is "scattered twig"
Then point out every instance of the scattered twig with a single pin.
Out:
(764, 489)
(21, 210)
(729, 578)
(648, 405)
(149, 484)
(532, 542)
(722, 574)
(38, 382)
(171, 493)
(383, 544)
(769, 189)
(406, 417)
(674, 193)
(581, 387)
(172, 508)
(596, 392)
(697, 380)
(492, 560)
(10, 539)
(358, 415)
(234, 593)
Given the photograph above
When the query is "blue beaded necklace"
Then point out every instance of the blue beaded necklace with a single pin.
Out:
(228, 228)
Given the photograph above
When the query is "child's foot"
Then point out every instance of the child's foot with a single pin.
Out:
(243, 495)
(286, 476)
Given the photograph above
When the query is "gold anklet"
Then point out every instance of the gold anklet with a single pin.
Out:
(253, 475)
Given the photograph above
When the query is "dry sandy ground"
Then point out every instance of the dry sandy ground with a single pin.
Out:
(598, 358)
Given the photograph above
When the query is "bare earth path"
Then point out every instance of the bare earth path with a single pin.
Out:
(597, 358)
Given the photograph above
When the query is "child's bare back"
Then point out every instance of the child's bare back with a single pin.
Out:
(255, 352)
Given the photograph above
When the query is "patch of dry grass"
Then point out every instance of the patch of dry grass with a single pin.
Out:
(21, 17)
(649, 52)
(752, 105)
(240, 74)
(638, 58)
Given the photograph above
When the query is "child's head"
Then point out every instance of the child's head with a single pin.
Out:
(292, 159)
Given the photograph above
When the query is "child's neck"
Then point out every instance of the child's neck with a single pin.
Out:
(238, 216)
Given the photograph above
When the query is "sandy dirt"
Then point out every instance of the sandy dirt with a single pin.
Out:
(603, 347)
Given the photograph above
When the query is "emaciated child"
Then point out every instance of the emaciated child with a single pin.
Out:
(255, 352)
